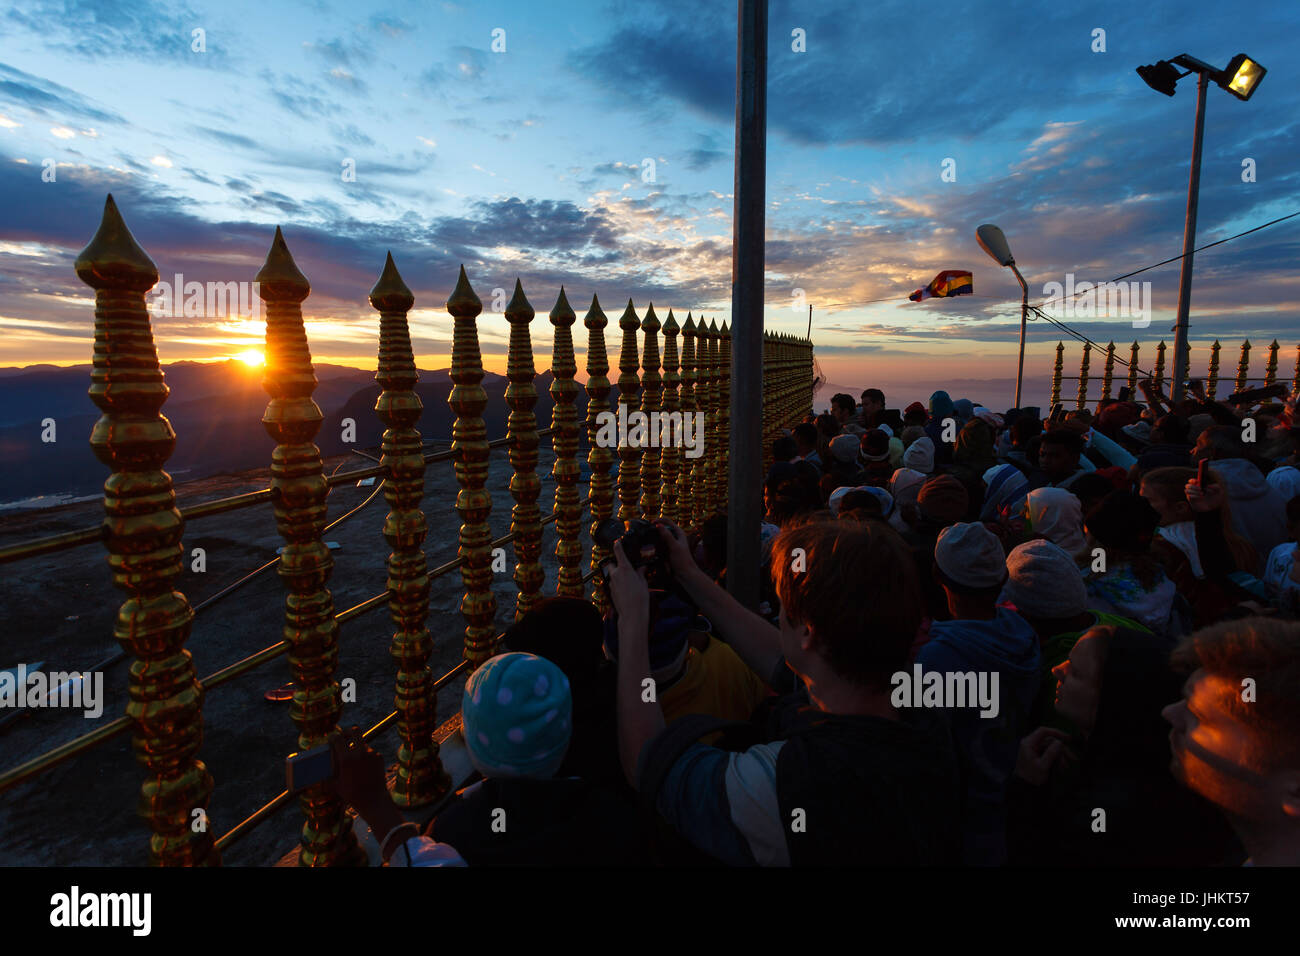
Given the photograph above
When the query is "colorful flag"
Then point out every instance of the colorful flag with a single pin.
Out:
(946, 283)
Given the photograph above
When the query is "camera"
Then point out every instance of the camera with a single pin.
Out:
(641, 541)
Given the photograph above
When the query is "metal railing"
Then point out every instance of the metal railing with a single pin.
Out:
(1157, 373)
(142, 528)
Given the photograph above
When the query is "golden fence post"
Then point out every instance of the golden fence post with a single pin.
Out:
(142, 530)
(1132, 370)
(1270, 370)
(769, 386)
(599, 456)
(292, 418)
(629, 482)
(1295, 376)
(470, 450)
(1056, 374)
(564, 442)
(671, 457)
(1243, 366)
(1212, 385)
(1108, 372)
(420, 777)
(708, 359)
(521, 427)
(650, 400)
(723, 448)
(1083, 375)
(1160, 365)
(687, 488)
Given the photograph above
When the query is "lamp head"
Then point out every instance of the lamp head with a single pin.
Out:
(993, 242)
(1161, 76)
(1241, 77)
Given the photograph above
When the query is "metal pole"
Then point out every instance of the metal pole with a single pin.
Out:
(744, 486)
(1189, 245)
(1024, 314)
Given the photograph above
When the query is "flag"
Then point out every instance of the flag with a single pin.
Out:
(946, 283)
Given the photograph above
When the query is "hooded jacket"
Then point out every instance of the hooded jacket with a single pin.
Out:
(987, 746)
(1258, 511)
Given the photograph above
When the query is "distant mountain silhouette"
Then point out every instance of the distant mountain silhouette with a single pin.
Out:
(216, 410)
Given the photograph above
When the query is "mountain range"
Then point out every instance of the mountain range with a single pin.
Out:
(216, 411)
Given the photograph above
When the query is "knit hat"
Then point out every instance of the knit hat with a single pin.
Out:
(971, 555)
(517, 710)
(875, 445)
(672, 620)
(914, 408)
(1197, 424)
(910, 434)
(1004, 484)
(836, 496)
(906, 483)
(1139, 431)
(943, 499)
(845, 448)
(889, 432)
(1044, 581)
(1118, 415)
(920, 455)
(886, 499)
(991, 418)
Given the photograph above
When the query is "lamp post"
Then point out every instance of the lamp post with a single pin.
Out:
(1241, 77)
(993, 242)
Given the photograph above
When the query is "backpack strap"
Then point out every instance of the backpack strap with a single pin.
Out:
(665, 750)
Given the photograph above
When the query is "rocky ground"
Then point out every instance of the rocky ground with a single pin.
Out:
(60, 609)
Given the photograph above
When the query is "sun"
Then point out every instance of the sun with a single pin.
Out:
(252, 358)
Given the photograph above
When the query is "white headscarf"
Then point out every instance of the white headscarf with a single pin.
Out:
(1057, 515)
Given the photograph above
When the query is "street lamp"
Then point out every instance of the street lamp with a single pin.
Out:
(1241, 78)
(993, 242)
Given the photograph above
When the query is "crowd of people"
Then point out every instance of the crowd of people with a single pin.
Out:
(984, 638)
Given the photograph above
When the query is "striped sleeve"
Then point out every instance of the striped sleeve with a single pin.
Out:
(726, 804)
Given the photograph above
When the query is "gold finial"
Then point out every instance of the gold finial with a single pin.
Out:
(279, 277)
(298, 482)
(470, 447)
(521, 429)
(390, 293)
(562, 313)
(518, 304)
(420, 778)
(142, 532)
(113, 258)
(564, 443)
(629, 383)
(463, 302)
(599, 457)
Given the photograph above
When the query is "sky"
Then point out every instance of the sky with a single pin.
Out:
(590, 145)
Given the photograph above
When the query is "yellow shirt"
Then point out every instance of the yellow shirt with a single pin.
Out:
(716, 682)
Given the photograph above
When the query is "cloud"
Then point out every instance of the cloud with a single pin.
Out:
(122, 29)
(49, 98)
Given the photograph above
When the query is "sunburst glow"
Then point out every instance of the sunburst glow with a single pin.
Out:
(253, 358)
